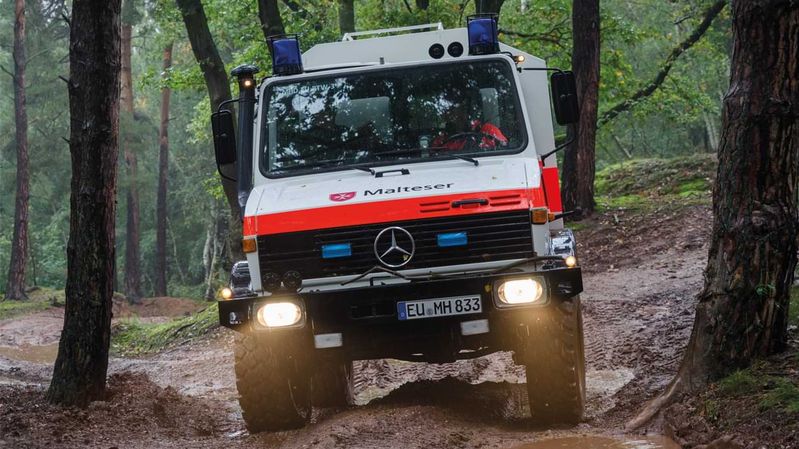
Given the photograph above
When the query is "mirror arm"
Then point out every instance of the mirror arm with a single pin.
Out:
(563, 145)
(225, 103)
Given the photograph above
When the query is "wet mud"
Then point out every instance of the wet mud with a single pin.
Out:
(637, 321)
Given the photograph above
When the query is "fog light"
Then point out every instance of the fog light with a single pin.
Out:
(226, 293)
(520, 291)
(279, 314)
(570, 261)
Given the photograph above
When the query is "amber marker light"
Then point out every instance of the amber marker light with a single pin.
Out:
(248, 245)
(540, 216)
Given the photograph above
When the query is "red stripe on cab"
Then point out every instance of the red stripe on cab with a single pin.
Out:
(390, 210)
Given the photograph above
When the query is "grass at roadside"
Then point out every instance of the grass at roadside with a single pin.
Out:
(38, 299)
(643, 184)
(133, 337)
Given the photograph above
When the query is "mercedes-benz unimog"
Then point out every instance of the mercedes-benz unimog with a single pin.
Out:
(400, 200)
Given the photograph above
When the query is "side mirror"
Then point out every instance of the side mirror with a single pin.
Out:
(564, 98)
(224, 137)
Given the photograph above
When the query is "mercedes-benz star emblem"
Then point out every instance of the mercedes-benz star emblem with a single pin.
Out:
(394, 247)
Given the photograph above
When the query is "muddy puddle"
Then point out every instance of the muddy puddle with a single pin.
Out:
(45, 354)
(595, 442)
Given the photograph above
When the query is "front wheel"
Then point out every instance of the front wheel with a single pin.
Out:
(274, 385)
(332, 383)
(554, 356)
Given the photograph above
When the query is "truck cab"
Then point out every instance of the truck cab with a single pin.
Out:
(400, 200)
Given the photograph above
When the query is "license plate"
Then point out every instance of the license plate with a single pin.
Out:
(431, 308)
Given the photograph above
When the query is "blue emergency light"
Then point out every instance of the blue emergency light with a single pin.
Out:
(450, 239)
(483, 34)
(286, 56)
(336, 250)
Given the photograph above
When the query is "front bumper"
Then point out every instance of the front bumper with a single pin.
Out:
(367, 321)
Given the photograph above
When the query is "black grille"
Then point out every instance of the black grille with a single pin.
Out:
(492, 236)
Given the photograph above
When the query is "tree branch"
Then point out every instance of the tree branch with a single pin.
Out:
(535, 36)
(649, 89)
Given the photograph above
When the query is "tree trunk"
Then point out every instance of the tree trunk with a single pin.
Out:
(94, 84)
(132, 234)
(163, 172)
(216, 79)
(217, 253)
(15, 287)
(578, 162)
(269, 15)
(743, 307)
(346, 16)
(488, 6)
(742, 311)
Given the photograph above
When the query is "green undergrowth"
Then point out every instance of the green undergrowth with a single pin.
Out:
(761, 387)
(133, 337)
(38, 299)
(644, 184)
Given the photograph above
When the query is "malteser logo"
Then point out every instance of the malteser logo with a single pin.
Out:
(344, 196)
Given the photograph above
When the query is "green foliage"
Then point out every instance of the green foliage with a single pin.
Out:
(132, 337)
(38, 300)
(739, 383)
(793, 309)
(771, 391)
(784, 395)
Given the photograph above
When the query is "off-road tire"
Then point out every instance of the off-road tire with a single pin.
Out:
(332, 384)
(274, 386)
(555, 364)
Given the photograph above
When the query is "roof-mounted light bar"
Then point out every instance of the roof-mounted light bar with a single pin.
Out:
(483, 32)
(286, 56)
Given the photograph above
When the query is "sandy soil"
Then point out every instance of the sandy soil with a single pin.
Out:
(638, 312)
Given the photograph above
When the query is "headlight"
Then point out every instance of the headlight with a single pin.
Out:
(279, 314)
(520, 291)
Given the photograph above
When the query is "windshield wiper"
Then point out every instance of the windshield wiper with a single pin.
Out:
(406, 151)
(325, 164)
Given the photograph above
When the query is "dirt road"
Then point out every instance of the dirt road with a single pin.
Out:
(637, 308)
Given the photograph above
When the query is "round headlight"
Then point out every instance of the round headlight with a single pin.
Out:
(520, 291)
(226, 293)
(279, 314)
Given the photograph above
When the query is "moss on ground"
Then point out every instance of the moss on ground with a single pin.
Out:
(133, 337)
(771, 392)
(38, 299)
(645, 184)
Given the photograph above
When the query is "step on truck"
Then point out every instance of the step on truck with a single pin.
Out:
(400, 199)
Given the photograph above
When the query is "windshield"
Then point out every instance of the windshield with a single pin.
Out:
(409, 114)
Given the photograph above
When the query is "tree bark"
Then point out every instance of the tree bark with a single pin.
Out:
(163, 172)
(269, 15)
(15, 286)
(488, 6)
(346, 16)
(94, 85)
(216, 79)
(743, 307)
(132, 234)
(579, 159)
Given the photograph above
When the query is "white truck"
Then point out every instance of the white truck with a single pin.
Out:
(401, 200)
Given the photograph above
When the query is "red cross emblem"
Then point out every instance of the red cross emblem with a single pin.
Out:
(344, 196)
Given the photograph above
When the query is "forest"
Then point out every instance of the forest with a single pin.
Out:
(640, 42)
